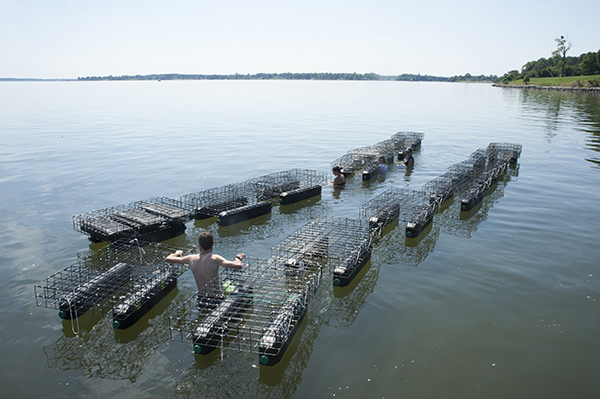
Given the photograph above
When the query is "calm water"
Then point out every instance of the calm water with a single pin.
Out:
(503, 304)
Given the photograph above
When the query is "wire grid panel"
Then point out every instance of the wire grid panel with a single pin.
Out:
(98, 281)
(258, 307)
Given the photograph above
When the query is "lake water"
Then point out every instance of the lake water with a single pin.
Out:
(503, 304)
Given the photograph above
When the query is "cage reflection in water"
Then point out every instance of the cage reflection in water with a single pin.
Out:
(128, 278)
(258, 310)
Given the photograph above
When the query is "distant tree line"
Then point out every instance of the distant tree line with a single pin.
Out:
(237, 76)
(559, 64)
(408, 77)
(457, 78)
(479, 78)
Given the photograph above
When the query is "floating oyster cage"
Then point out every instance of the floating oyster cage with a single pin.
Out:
(403, 140)
(154, 219)
(298, 184)
(475, 193)
(381, 210)
(267, 187)
(211, 202)
(339, 244)
(124, 277)
(508, 151)
(354, 162)
(257, 310)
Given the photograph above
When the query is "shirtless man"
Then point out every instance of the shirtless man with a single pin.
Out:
(205, 266)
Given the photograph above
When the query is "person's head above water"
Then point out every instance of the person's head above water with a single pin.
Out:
(205, 241)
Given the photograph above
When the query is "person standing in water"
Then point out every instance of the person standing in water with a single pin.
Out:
(205, 265)
(409, 161)
(383, 165)
(340, 179)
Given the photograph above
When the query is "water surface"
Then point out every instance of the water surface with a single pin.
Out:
(501, 304)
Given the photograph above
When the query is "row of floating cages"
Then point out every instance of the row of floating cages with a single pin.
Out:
(340, 244)
(365, 160)
(125, 279)
(251, 198)
(257, 309)
(154, 219)
(499, 157)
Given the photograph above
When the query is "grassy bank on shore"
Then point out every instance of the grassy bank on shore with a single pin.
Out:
(567, 81)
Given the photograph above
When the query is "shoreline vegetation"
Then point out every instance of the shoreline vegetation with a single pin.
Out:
(277, 76)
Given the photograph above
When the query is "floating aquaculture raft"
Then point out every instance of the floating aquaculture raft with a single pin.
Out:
(339, 244)
(154, 219)
(257, 310)
(125, 279)
(365, 160)
(252, 198)
(260, 308)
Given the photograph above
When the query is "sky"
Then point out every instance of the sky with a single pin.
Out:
(65, 39)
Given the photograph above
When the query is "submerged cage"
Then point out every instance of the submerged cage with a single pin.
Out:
(124, 277)
(258, 310)
(154, 219)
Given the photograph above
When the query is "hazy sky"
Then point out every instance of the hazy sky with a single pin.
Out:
(77, 38)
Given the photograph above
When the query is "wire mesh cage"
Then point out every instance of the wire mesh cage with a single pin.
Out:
(508, 151)
(355, 161)
(339, 244)
(274, 184)
(160, 217)
(210, 202)
(403, 140)
(124, 277)
(257, 310)
(381, 210)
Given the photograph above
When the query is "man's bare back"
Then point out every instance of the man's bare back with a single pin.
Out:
(205, 266)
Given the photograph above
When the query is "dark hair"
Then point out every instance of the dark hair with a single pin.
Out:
(205, 241)
(382, 160)
(409, 150)
(337, 169)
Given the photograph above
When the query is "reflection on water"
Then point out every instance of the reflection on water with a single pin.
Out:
(555, 109)
(98, 350)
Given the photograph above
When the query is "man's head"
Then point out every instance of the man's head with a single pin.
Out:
(409, 150)
(205, 241)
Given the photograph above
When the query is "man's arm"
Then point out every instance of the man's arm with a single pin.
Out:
(177, 257)
(235, 264)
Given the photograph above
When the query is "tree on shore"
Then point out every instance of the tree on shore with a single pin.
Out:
(562, 46)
